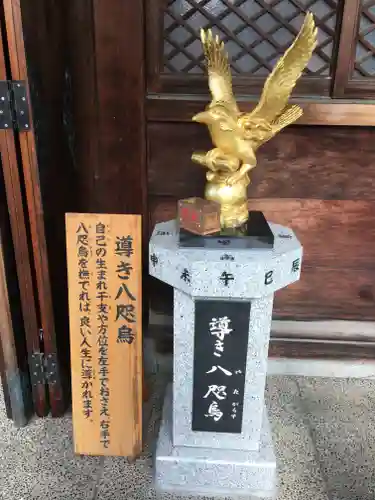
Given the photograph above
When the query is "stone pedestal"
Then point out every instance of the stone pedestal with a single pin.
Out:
(215, 438)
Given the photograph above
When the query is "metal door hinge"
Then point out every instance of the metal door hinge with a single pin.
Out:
(43, 368)
(14, 106)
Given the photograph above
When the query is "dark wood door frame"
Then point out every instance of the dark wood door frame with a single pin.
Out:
(15, 202)
(109, 107)
(28, 156)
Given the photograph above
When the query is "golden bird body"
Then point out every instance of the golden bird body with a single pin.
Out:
(237, 135)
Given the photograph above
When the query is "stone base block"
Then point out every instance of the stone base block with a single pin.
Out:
(213, 472)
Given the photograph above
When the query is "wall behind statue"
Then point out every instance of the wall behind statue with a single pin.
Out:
(317, 180)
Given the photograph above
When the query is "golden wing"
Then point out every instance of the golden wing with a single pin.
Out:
(289, 68)
(218, 67)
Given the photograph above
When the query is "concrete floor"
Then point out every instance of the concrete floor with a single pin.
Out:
(324, 433)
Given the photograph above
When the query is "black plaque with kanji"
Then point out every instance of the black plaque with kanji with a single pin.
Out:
(220, 351)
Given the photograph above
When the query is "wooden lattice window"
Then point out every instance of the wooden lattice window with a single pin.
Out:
(356, 58)
(364, 62)
(256, 33)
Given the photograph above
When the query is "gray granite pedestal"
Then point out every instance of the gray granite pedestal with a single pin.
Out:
(214, 438)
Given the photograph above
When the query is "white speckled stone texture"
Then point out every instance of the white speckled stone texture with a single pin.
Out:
(205, 267)
(207, 471)
(323, 432)
(341, 416)
(38, 462)
(256, 368)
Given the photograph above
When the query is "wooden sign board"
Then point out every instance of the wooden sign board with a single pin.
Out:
(104, 280)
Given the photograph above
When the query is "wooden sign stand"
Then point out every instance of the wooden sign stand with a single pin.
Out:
(105, 309)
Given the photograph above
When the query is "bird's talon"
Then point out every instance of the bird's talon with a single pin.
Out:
(233, 179)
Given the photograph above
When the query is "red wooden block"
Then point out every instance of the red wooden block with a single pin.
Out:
(199, 216)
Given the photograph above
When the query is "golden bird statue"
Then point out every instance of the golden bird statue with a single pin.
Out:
(237, 135)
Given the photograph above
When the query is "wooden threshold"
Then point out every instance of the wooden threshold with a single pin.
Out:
(320, 349)
(361, 331)
(334, 339)
(331, 330)
(327, 112)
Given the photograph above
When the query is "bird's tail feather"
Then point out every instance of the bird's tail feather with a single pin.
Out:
(290, 115)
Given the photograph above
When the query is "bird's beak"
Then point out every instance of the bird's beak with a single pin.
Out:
(203, 117)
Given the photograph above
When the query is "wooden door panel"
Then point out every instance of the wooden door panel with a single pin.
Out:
(329, 293)
(316, 180)
(337, 234)
(323, 293)
(338, 276)
(19, 71)
(19, 230)
(13, 352)
(23, 260)
(300, 162)
(121, 91)
(328, 112)
(36, 55)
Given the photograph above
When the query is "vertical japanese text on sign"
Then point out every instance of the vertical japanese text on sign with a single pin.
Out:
(87, 374)
(102, 310)
(125, 310)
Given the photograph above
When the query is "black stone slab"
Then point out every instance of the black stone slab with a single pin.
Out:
(255, 233)
(220, 352)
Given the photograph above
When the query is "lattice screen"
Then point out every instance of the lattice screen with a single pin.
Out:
(364, 65)
(256, 32)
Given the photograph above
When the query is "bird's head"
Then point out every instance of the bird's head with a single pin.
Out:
(214, 114)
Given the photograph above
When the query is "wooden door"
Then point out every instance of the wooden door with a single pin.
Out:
(15, 205)
(13, 352)
(310, 178)
(84, 69)
(137, 76)
(112, 132)
(41, 161)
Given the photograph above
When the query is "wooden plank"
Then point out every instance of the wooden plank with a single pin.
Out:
(19, 229)
(13, 351)
(343, 330)
(120, 178)
(180, 84)
(108, 93)
(338, 234)
(59, 173)
(23, 263)
(81, 62)
(303, 348)
(338, 271)
(300, 162)
(4, 385)
(321, 330)
(321, 350)
(328, 293)
(347, 47)
(105, 310)
(322, 293)
(31, 173)
(13, 375)
(330, 112)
